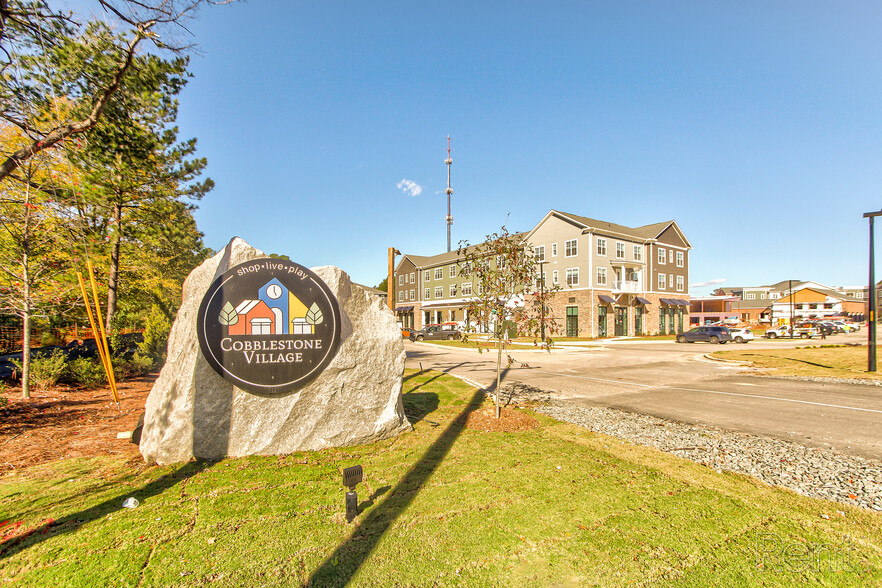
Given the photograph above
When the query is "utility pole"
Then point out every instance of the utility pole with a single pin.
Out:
(449, 192)
(390, 278)
(871, 323)
(792, 307)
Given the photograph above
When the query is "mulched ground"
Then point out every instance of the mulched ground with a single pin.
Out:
(510, 420)
(69, 422)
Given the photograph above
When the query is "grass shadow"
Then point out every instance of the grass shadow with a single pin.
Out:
(73, 522)
(342, 565)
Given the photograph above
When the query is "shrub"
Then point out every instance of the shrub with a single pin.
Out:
(46, 369)
(156, 331)
(87, 372)
(138, 365)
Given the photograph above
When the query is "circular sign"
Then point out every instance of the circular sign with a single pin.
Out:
(269, 326)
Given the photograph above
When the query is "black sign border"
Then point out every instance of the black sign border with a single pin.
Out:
(274, 390)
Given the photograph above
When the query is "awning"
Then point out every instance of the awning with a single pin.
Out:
(667, 301)
(642, 300)
(404, 309)
(681, 302)
(605, 298)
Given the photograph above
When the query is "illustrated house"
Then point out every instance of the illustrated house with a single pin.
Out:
(297, 311)
(255, 318)
(275, 312)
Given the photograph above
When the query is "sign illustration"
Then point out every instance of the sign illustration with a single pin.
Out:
(269, 326)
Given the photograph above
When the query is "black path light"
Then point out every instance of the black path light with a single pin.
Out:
(351, 477)
(871, 323)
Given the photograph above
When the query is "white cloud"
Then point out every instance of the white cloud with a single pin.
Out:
(409, 187)
(709, 283)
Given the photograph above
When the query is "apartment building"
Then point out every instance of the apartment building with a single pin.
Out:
(614, 280)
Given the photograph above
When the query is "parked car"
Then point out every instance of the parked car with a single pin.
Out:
(709, 334)
(826, 328)
(436, 332)
(845, 327)
(803, 332)
(741, 334)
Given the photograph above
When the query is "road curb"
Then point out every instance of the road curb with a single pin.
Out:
(721, 360)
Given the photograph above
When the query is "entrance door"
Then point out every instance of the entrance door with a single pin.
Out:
(621, 314)
(680, 320)
(572, 321)
(601, 321)
(638, 320)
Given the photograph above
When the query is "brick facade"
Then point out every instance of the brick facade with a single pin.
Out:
(587, 304)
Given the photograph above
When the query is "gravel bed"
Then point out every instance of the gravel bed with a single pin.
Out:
(819, 473)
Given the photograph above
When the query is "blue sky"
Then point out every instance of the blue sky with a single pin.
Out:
(756, 125)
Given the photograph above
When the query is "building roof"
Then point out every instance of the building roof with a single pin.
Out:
(645, 232)
(426, 261)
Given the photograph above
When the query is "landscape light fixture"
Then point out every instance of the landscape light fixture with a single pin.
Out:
(351, 477)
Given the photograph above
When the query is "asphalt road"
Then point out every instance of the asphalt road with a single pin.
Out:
(676, 382)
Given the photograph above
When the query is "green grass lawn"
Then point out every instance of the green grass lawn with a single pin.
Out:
(834, 362)
(443, 505)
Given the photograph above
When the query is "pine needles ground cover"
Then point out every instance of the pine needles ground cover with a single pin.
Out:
(442, 505)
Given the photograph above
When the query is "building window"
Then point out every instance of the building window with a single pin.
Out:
(539, 251)
(762, 295)
(452, 290)
(681, 283)
(662, 256)
(413, 294)
(680, 259)
(439, 291)
(453, 271)
(500, 261)
(427, 275)
(400, 296)
(554, 250)
(638, 253)
(662, 282)
(439, 273)
(467, 289)
(573, 276)
(671, 281)
(428, 293)
(601, 276)
(570, 248)
(601, 246)
(554, 277)
(400, 279)
(620, 251)
(858, 294)
(750, 296)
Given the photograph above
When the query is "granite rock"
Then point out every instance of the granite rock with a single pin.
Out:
(192, 412)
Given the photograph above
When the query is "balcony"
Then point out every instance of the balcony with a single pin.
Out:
(628, 286)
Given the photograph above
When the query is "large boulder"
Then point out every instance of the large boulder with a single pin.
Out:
(192, 412)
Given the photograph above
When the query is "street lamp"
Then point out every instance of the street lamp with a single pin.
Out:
(871, 324)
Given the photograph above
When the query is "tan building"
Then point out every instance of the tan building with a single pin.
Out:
(615, 280)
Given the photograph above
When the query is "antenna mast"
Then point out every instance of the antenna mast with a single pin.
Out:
(449, 192)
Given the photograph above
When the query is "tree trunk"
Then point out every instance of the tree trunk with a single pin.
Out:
(26, 302)
(113, 279)
(498, 370)
(26, 354)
